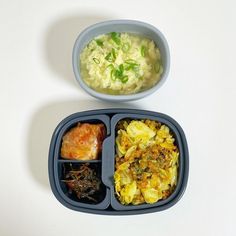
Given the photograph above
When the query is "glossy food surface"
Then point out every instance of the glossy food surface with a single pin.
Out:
(83, 142)
(146, 162)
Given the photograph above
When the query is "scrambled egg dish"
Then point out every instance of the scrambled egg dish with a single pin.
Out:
(121, 63)
(147, 158)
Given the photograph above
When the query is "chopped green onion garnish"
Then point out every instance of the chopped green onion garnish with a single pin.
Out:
(143, 51)
(111, 56)
(110, 66)
(125, 47)
(113, 53)
(124, 79)
(131, 61)
(96, 60)
(121, 68)
(115, 37)
(108, 57)
(131, 64)
(119, 74)
(99, 42)
(113, 75)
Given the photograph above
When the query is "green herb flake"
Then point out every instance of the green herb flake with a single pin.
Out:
(113, 53)
(111, 56)
(108, 57)
(113, 77)
(110, 66)
(97, 61)
(124, 79)
(130, 61)
(143, 51)
(131, 64)
(99, 42)
(121, 68)
(119, 74)
(115, 37)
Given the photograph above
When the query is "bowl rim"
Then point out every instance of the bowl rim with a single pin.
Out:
(128, 97)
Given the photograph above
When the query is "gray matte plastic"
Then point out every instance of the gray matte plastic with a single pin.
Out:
(130, 26)
(114, 202)
(58, 161)
(110, 205)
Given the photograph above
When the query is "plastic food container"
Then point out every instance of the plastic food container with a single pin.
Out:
(128, 26)
(105, 166)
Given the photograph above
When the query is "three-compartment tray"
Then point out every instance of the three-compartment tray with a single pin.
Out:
(107, 202)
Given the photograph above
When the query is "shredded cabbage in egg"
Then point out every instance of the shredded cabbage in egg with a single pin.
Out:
(146, 162)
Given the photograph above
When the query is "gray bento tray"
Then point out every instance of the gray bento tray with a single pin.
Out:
(107, 202)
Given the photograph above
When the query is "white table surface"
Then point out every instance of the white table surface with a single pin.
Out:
(38, 89)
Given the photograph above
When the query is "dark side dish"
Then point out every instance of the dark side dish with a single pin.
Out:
(84, 182)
